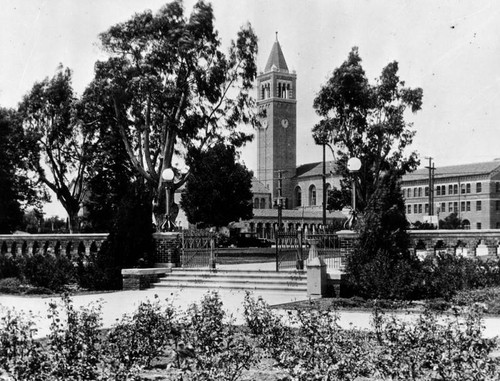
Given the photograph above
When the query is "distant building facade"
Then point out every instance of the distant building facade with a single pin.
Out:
(472, 191)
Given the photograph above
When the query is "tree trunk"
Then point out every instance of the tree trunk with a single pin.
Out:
(73, 222)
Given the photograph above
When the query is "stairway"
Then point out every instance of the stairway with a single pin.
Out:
(252, 280)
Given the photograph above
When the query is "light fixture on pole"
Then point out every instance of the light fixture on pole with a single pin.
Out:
(167, 176)
(353, 166)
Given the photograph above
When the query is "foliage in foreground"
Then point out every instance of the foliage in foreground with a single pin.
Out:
(429, 347)
(203, 343)
(199, 344)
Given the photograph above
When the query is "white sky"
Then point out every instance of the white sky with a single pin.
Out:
(449, 48)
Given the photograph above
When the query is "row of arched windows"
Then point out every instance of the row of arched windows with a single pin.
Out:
(259, 203)
(284, 90)
(311, 195)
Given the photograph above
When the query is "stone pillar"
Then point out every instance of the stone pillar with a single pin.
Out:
(167, 249)
(316, 273)
(482, 249)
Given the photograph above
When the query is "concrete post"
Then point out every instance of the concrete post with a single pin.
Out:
(316, 273)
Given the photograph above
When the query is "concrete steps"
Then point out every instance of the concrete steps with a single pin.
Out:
(262, 280)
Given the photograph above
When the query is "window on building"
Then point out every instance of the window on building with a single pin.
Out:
(497, 204)
(467, 188)
(263, 203)
(426, 208)
(455, 207)
(462, 206)
(415, 194)
(450, 189)
(420, 192)
(455, 189)
(467, 206)
(415, 208)
(312, 195)
(256, 203)
(443, 190)
(420, 208)
(479, 206)
(265, 90)
(450, 207)
(298, 196)
(462, 188)
(426, 191)
(443, 207)
(478, 225)
(479, 187)
(408, 211)
(438, 191)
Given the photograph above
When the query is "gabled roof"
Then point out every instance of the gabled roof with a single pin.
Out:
(484, 168)
(258, 187)
(315, 169)
(276, 59)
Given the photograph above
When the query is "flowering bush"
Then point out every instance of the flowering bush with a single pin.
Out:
(212, 348)
(203, 343)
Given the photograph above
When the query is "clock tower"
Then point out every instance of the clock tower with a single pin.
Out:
(277, 136)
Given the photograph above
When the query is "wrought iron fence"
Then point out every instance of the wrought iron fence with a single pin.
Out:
(289, 250)
(328, 246)
(198, 248)
(292, 249)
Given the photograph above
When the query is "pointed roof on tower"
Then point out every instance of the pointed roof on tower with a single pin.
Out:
(276, 60)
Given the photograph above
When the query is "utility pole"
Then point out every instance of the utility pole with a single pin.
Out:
(279, 200)
(431, 186)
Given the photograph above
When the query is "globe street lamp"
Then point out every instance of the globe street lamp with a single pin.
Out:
(353, 166)
(167, 176)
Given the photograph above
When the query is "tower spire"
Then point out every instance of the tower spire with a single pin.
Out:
(276, 60)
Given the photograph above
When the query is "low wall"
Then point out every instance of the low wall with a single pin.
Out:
(482, 244)
(71, 245)
(141, 279)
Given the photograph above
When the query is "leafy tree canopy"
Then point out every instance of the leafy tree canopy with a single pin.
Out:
(173, 89)
(218, 190)
(58, 142)
(382, 265)
(452, 221)
(367, 121)
(17, 189)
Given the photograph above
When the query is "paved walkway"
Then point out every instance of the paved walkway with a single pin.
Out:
(115, 304)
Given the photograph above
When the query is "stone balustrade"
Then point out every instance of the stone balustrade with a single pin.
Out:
(482, 244)
(71, 245)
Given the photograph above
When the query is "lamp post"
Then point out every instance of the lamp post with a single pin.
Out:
(353, 166)
(168, 176)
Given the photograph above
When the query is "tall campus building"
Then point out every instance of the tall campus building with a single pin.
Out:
(471, 190)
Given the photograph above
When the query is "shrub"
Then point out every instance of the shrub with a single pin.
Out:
(21, 356)
(139, 338)
(318, 348)
(9, 267)
(74, 341)
(437, 349)
(211, 348)
(49, 271)
(381, 265)
(443, 275)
